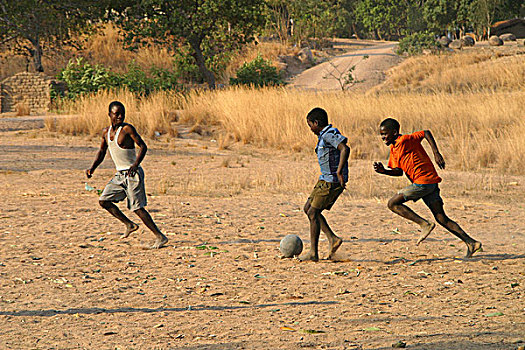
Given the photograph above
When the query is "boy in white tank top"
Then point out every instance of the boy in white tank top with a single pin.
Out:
(128, 183)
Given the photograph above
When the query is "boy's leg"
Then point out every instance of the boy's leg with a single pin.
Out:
(334, 241)
(161, 240)
(315, 230)
(396, 205)
(473, 246)
(115, 211)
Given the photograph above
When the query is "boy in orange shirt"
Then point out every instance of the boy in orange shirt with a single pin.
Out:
(408, 155)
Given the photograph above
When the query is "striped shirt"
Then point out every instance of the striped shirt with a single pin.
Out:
(328, 155)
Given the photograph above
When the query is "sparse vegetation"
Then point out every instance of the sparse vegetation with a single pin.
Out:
(415, 43)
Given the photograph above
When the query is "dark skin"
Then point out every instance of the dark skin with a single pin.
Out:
(396, 203)
(127, 139)
(318, 222)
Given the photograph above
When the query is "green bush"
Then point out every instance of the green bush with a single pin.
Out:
(82, 77)
(415, 43)
(258, 73)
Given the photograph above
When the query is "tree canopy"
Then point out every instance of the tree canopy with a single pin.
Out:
(29, 24)
(206, 26)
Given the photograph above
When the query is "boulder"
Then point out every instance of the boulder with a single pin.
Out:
(468, 41)
(444, 41)
(306, 56)
(495, 41)
(508, 37)
(455, 44)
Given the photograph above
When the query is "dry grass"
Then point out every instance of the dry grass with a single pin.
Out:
(475, 130)
(268, 50)
(149, 115)
(471, 71)
(105, 47)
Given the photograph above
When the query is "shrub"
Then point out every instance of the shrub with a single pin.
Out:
(258, 73)
(82, 78)
(415, 43)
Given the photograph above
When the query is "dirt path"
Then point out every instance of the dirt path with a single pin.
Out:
(371, 71)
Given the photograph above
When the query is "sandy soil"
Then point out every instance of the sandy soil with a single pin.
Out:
(69, 282)
(369, 72)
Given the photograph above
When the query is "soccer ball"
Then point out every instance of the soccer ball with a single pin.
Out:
(291, 245)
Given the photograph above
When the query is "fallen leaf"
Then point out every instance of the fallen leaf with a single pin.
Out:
(371, 329)
(493, 314)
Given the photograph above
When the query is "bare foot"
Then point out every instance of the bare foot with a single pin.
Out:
(131, 228)
(426, 231)
(334, 246)
(473, 248)
(310, 256)
(159, 243)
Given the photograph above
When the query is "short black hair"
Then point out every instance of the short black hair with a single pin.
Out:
(117, 104)
(318, 115)
(390, 124)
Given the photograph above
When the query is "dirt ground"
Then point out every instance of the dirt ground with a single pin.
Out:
(69, 282)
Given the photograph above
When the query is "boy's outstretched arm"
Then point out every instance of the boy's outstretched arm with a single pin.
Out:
(379, 168)
(437, 156)
(100, 156)
(343, 160)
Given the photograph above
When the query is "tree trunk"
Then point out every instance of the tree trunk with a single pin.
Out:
(36, 54)
(208, 75)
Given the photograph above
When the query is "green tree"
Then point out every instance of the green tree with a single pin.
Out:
(384, 19)
(27, 25)
(206, 26)
(484, 12)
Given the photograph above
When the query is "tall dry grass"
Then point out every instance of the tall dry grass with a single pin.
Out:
(267, 50)
(471, 71)
(89, 114)
(104, 47)
(477, 125)
(475, 130)
(107, 48)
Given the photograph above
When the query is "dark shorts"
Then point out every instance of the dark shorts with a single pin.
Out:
(325, 194)
(122, 187)
(428, 192)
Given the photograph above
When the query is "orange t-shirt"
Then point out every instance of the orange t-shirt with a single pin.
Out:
(408, 154)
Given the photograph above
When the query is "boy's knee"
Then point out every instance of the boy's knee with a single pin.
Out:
(312, 213)
(442, 219)
(104, 204)
(391, 204)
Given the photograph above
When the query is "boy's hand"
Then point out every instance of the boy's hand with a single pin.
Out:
(379, 168)
(89, 173)
(341, 180)
(439, 160)
(132, 170)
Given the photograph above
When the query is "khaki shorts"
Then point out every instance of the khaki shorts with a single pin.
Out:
(325, 194)
(129, 187)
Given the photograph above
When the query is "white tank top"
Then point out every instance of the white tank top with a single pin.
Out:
(122, 157)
